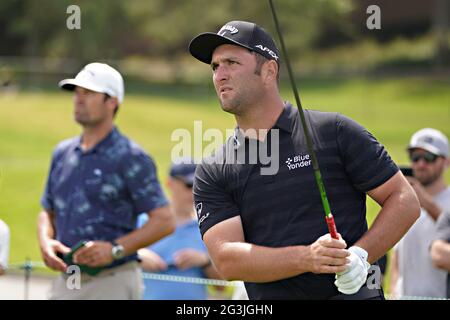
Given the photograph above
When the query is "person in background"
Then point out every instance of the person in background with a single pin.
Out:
(440, 248)
(97, 185)
(4, 246)
(412, 271)
(183, 252)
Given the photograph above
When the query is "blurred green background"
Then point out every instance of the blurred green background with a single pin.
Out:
(393, 81)
(32, 123)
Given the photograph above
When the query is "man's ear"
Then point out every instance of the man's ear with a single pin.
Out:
(112, 102)
(169, 183)
(270, 71)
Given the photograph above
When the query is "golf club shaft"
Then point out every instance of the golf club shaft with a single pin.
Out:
(326, 206)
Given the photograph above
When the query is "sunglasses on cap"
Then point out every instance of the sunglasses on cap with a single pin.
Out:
(427, 156)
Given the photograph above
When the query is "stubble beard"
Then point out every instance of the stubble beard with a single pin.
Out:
(233, 106)
(427, 180)
(85, 122)
(241, 101)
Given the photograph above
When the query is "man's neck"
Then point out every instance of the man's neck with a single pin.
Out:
(93, 135)
(436, 187)
(263, 116)
(183, 213)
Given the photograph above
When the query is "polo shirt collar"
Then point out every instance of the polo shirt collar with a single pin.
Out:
(286, 119)
(103, 144)
(284, 122)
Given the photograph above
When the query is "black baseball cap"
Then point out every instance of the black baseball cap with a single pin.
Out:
(242, 33)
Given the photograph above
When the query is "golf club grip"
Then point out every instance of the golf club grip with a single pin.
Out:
(332, 226)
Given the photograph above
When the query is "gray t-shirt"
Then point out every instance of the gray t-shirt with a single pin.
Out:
(417, 275)
(443, 233)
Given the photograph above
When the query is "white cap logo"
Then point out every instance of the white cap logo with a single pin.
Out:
(232, 29)
(265, 49)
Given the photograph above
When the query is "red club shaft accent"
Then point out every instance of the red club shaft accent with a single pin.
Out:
(332, 226)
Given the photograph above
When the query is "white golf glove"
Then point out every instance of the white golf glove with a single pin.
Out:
(352, 279)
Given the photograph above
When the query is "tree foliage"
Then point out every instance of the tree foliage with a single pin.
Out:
(113, 29)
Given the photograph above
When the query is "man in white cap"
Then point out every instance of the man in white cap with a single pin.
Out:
(97, 185)
(412, 269)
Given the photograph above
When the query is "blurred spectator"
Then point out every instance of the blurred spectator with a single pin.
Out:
(4, 246)
(440, 248)
(412, 270)
(97, 185)
(182, 253)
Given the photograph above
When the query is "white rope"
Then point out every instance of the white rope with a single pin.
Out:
(202, 281)
(146, 275)
(30, 265)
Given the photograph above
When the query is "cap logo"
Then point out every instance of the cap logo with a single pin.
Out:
(89, 71)
(226, 28)
(425, 139)
(265, 49)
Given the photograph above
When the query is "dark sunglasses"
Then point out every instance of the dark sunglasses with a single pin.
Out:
(427, 156)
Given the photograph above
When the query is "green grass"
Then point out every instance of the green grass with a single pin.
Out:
(31, 123)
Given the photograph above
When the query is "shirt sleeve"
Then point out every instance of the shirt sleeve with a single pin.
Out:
(47, 197)
(142, 182)
(366, 161)
(443, 226)
(141, 220)
(213, 201)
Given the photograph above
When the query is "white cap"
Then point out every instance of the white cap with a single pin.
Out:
(97, 77)
(431, 140)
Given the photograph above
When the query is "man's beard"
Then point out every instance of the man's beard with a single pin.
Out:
(234, 106)
(86, 120)
(428, 180)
